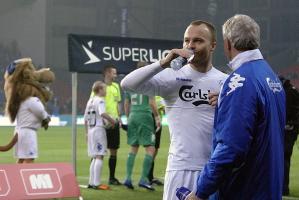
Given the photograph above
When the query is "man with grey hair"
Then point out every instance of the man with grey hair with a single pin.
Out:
(247, 160)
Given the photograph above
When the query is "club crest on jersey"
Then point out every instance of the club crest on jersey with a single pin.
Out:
(99, 147)
(235, 82)
(197, 97)
(275, 86)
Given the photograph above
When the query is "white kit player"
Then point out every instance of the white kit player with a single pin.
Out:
(95, 120)
(190, 94)
(30, 117)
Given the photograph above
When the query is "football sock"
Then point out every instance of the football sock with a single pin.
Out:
(97, 171)
(91, 172)
(130, 165)
(147, 163)
(151, 172)
(112, 165)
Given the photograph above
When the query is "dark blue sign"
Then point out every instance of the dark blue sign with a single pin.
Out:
(90, 54)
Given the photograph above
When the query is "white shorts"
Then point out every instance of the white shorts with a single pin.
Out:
(26, 147)
(177, 179)
(97, 141)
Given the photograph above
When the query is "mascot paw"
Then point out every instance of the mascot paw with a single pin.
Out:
(45, 123)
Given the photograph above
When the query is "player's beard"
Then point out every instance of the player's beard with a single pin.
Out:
(201, 58)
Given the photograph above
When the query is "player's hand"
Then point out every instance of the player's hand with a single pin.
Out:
(192, 196)
(119, 121)
(158, 123)
(165, 62)
(213, 98)
(183, 193)
(45, 123)
(113, 123)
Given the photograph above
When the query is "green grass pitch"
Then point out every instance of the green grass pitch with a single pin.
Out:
(55, 145)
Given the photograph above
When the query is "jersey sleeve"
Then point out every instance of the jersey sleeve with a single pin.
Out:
(150, 80)
(37, 108)
(234, 132)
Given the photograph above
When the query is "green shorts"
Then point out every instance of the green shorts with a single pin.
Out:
(141, 129)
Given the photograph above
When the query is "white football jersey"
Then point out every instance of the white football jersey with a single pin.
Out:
(189, 115)
(95, 107)
(30, 114)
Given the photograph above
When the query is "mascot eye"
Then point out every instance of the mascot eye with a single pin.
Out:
(11, 68)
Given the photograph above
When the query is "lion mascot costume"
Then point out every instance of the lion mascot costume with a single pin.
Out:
(27, 92)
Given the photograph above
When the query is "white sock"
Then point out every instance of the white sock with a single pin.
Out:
(91, 172)
(97, 171)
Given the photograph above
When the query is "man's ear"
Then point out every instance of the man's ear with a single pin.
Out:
(229, 45)
(213, 46)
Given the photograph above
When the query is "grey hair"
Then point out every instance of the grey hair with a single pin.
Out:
(242, 31)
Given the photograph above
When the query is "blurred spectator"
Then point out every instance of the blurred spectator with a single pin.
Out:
(291, 128)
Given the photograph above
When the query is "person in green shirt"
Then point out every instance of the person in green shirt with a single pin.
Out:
(138, 109)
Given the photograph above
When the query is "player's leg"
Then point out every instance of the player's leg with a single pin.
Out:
(147, 162)
(25, 161)
(100, 148)
(98, 166)
(91, 153)
(26, 146)
(132, 140)
(112, 167)
(91, 174)
(147, 139)
(151, 177)
(28, 161)
(113, 138)
(130, 166)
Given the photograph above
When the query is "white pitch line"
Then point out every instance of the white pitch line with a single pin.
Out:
(290, 198)
(83, 186)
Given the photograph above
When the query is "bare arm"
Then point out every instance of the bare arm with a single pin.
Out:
(155, 111)
(119, 113)
(127, 107)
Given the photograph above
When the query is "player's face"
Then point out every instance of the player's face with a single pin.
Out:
(113, 73)
(199, 39)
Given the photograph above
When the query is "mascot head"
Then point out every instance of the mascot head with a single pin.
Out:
(22, 80)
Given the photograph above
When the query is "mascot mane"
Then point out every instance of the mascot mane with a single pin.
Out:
(22, 81)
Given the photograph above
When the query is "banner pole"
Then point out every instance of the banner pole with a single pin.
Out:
(74, 121)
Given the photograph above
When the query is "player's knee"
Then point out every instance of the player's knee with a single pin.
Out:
(150, 150)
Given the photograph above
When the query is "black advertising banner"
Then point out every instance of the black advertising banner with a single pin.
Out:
(90, 54)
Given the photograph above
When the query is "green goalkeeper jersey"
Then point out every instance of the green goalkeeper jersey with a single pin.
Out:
(139, 103)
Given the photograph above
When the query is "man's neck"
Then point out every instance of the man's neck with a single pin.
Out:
(108, 81)
(201, 68)
(234, 52)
